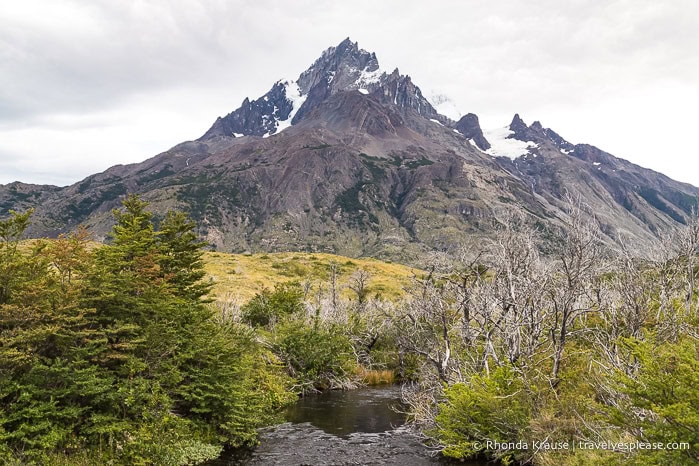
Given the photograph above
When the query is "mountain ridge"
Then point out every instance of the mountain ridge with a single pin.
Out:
(349, 159)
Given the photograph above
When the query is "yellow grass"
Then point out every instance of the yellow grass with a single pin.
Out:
(377, 377)
(241, 276)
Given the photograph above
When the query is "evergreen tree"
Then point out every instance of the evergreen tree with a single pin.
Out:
(47, 385)
(181, 252)
(115, 356)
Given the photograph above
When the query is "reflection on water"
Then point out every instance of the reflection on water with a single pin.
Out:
(342, 413)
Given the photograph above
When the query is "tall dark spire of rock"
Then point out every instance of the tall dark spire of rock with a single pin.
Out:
(469, 126)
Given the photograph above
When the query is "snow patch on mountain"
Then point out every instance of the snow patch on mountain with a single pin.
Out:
(293, 95)
(367, 80)
(502, 145)
(370, 77)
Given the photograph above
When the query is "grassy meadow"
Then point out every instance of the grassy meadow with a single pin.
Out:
(240, 276)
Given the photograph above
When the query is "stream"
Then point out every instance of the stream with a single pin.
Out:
(338, 428)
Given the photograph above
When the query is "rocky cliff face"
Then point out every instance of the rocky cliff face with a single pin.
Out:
(352, 160)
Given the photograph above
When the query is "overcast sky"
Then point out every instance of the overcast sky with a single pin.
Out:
(85, 85)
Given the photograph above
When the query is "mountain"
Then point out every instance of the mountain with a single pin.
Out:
(352, 160)
(340, 69)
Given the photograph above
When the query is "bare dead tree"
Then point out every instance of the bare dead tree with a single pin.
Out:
(577, 263)
(624, 298)
(307, 287)
(499, 291)
(359, 283)
(228, 308)
(369, 326)
(673, 264)
(426, 325)
(687, 240)
(520, 280)
(471, 272)
(334, 292)
(486, 327)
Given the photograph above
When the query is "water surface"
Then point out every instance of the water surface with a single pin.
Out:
(341, 428)
(341, 413)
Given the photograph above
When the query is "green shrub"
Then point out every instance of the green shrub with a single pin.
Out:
(663, 400)
(268, 307)
(316, 356)
(487, 409)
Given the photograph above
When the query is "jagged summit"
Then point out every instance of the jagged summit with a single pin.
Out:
(537, 134)
(347, 68)
(518, 127)
(343, 68)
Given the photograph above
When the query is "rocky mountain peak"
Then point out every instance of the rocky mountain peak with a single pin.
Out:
(343, 68)
(538, 134)
(520, 129)
(470, 127)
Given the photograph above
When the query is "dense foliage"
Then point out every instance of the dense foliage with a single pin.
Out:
(112, 355)
(661, 402)
(317, 352)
